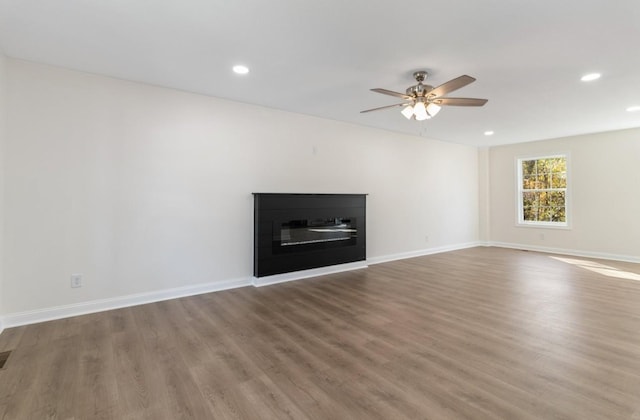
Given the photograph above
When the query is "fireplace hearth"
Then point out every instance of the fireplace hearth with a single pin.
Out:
(294, 232)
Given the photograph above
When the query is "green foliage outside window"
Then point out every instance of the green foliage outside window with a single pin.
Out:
(544, 189)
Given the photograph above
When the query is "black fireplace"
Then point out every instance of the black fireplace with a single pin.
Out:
(294, 232)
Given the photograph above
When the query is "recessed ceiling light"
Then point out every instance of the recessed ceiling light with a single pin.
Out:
(590, 77)
(633, 108)
(488, 133)
(240, 69)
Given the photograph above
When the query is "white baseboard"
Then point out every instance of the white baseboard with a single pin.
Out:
(304, 274)
(82, 308)
(422, 252)
(564, 251)
(64, 311)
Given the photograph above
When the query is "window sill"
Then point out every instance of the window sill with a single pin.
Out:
(544, 226)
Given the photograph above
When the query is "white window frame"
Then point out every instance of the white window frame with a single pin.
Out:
(519, 191)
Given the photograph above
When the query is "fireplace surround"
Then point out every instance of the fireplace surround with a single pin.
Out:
(294, 232)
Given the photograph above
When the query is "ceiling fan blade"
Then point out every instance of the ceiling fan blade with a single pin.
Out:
(451, 85)
(391, 93)
(461, 101)
(383, 107)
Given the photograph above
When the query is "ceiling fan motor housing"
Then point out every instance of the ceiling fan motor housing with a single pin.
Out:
(419, 90)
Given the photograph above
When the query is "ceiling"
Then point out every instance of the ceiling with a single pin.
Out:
(321, 57)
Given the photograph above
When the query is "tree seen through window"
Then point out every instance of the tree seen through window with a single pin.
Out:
(543, 190)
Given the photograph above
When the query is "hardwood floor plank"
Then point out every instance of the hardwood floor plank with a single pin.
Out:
(271, 402)
(96, 394)
(138, 380)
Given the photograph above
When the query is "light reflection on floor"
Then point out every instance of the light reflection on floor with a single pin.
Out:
(599, 268)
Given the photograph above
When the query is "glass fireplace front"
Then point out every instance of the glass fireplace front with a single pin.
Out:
(321, 232)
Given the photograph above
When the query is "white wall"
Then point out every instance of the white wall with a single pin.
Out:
(605, 203)
(2, 166)
(141, 188)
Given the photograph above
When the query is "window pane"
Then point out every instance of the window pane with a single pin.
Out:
(544, 214)
(544, 181)
(529, 182)
(543, 198)
(530, 199)
(543, 166)
(556, 198)
(538, 183)
(529, 214)
(528, 168)
(558, 164)
(558, 215)
(559, 180)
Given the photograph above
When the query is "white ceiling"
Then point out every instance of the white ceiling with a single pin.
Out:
(322, 57)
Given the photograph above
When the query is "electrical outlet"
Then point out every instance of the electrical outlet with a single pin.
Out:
(426, 238)
(76, 280)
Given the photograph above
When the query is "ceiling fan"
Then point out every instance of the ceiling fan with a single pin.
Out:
(424, 101)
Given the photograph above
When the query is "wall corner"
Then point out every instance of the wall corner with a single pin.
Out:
(484, 189)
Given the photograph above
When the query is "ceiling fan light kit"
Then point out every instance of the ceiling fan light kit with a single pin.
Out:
(425, 101)
(420, 111)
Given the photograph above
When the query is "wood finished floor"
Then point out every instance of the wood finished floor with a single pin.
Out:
(483, 333)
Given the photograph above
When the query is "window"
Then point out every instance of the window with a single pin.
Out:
(542, 191)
